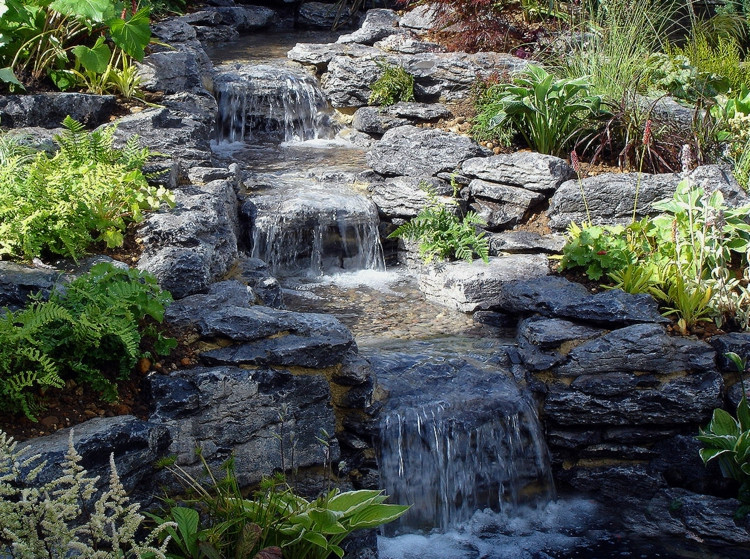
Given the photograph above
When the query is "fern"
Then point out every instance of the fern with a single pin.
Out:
(442, 234)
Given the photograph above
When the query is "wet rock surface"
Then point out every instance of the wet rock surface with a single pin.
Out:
(48, 110)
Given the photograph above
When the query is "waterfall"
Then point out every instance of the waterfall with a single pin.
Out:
(456, 436)
(267, 101)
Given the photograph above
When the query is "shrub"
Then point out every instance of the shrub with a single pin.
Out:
(90, 331)
(548, 112)
(442, 234)
(63, 518)
(394, 84)
(87, 192)
(477, 25)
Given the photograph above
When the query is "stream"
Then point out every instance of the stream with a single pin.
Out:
(459, 439)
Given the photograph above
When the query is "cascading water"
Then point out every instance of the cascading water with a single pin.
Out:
(456, 436)
(265, 101)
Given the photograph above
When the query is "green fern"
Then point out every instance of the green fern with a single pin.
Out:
(442, 234)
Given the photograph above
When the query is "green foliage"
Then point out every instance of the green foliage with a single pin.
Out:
(726, 440)
(598, 249)
(442, 234)
(44, 39)
(90, 331)
(220, 522)
(87, 192)
(61, 518)
(394, 84)
(676, 75)
(548, 112)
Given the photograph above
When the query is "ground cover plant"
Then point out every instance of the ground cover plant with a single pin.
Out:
(90, 331)
(87, 192)
(394, 84)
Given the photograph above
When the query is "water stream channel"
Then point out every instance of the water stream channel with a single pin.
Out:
(458, 438)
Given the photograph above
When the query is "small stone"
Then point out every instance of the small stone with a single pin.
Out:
(50, 421)
(144, 364)
(185, 362)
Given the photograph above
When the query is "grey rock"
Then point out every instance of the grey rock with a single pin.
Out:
(136, 445)
(229, 411)
(217, 33)
(736, 342)
(735, 393)
(611, 197)
(18, 281)
(37, 138)
(679, 461)
(378, 24)
(48, 110)
(469, 287)
(173, 30)
(524, 241)
(354, 371)
(195, 243)
(501, 205)
(256, 274)
(420, 152)
(572, 440)
(419, 112)
(540, 340)
(188, 311)
(629, 399)
(199, 176)
(421, 17)
(640, 347)
(525, 169)
(320, 54)
(618, 483)
(318, 15)
(557, 297)
(408, 43)
(202, 17)
(170, 72)
(246, 18)
(372, 120)
(403, 197)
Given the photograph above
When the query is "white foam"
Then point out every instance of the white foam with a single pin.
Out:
(320, 143)
(379, 280)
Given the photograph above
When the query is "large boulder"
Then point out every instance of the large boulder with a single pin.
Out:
(171, 72)
(195, 243)
(422, 17)
(501, 205)
(419, 152)
(18, 281)
(377, 25)
(523, 169)
(320, 54)
(404, 197)
(319, 15)
(48, 110)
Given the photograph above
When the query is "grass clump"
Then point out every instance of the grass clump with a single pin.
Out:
(394, 84)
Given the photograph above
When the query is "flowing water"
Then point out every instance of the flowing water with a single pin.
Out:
(457, 438)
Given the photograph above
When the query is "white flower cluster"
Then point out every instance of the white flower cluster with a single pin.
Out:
(58, 519)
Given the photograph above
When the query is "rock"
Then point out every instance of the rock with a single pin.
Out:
(194, 243)
(173, 30)
(469, 287)
(18, 281)
(378, 24)
(200, 176)
(403, 197)
(610, 196)
(557, 297)
(541, 340)
(501, 205)
(619, 398)
(525, 169)
(524, 241)
(640, 347)
(736, 342)
(246, 18)
(422, 17)
(372, 120)
(713, 177)
(136, 445)
(419, 112)
(354, 371)
(36, 137)
(202, 17)
(407, 43)
(170, 72)
(617, 483)
(680, 463)
(188, 311)
(227, 411)
(317, 15)
(256, 274)
(48, 110)
(420, 152)
(320, 54)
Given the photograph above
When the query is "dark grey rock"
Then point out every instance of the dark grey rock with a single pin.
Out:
(525, 169)
(320, 54)
(501, 205)
(200, 176)
(374, 121)
(572, 439)
(469, 287)
(628, 399)
(619, 483)
(37, 138)
(354, 371)
(18, 281)
(318, 15)
(403, 197)
(420, 152)
(173, 30)
(246, 18)
(681, 465)
(419, 112)
(187, 312)
(217, 34)
(48, 110)
(736, 342)
(202, 17)
(378, 24)
(228, 411)
(540, 340)
(170, 72)
(195, 243)
(558, 297)
(256, 274)
(524, 241)
(136, 445)
(641, 347)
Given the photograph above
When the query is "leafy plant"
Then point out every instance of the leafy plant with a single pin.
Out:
(274, 521)
(476, 25)
(442, 234)
(726, 440)
(394, 84)
(90, 331)
(87, 192)
(61, 518)
(548, 112)
(598, 249)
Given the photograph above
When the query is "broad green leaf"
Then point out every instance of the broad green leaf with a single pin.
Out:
(132, 35)
(93, 10)
(8, 76)
(376, 515)
(345, 501)
(723, 423)
(743, 415)
(323, 518)
(708, 454)
(95, 59)
(317, 539)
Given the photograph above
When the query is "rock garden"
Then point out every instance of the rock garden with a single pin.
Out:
(264, 265)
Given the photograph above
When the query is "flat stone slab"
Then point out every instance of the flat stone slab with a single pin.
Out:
(525, 169)
(524, 241)
(48, 110)
(469, 287)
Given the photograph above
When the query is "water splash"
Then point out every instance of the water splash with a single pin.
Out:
(266, 101)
